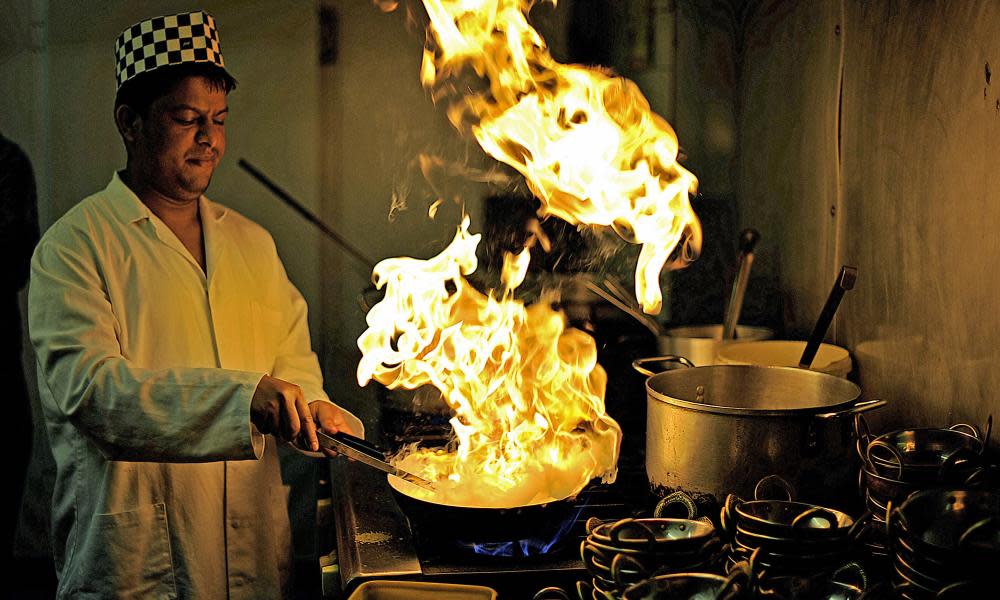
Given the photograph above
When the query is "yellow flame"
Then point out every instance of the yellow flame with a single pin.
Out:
(587, 143)
(526, 391)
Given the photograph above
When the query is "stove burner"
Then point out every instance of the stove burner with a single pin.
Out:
(527, 547)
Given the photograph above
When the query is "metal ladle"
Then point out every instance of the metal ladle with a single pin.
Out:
(748, 239)
(845, 281)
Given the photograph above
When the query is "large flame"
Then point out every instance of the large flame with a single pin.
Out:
(587, 142)
(527, 392)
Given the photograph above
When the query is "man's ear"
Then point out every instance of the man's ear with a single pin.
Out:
(128, 122)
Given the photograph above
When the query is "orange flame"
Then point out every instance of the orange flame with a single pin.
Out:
(527, 393)
(586, 142)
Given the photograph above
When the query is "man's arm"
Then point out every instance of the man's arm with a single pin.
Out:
(129, 413)
(297, 363)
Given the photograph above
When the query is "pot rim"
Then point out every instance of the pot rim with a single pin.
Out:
(706, 332)
(855, 393)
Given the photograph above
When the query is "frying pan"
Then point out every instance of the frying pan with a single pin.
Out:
(542, 523)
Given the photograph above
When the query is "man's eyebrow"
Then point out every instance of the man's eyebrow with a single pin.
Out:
(177, 107)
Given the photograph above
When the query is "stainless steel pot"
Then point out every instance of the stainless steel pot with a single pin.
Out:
(700, 343)
(719, 429)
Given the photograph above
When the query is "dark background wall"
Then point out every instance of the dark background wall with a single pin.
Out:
(868, 135)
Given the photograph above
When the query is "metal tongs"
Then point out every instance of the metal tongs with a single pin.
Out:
(369, 454)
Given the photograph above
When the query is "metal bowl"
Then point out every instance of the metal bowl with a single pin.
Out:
(790, 545)
(689, 586)
(786, 519)
(630, 567)
(924, 580)
(885, 488)
(943, 522)
(794, 588)
(776, 562)
(654, 535)
(924, 455)
(669, 554)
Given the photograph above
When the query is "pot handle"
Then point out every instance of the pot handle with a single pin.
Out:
(638, 363)
(967, 429)
(734, 581)
(960, 589)
(974, 432)
(860, 407)
(893, 452)
(726, 515)
(851, 573)
(551, 593)
(592, 524)
(987, 522)
(676, 498)
(861, 526)
(963, 457)
(632, 525)
(624, 561)
(977, 478)
(862, 433)
(589, 554)
(778, 482)
(895, 521)
(989, 431)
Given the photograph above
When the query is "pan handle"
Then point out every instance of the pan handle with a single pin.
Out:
(860, 407)
(638, 363)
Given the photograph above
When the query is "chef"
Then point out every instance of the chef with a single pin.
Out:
(173, 352)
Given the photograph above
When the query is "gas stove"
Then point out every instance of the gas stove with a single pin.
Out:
(370, 537)
(373, 539)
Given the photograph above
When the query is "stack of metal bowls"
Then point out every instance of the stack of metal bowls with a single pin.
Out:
(847, 583)
(787, 538)
(692, 586)
(623, 553)
(899, 463)
(945, 543)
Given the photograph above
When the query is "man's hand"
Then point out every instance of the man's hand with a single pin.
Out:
(331, 420)
(279, 407)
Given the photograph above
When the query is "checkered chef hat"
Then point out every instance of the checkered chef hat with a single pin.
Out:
(169, 40)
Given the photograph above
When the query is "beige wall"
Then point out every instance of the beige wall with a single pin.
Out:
(912, 184)
(378, 119)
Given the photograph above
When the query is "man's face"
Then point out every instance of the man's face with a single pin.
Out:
(180, 142)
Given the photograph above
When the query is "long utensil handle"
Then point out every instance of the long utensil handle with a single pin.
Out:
(306, 214)
(638, 363)
(748, 239)
(359, 444)
(845, 281)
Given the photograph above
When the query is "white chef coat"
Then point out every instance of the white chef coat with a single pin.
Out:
(146, 369)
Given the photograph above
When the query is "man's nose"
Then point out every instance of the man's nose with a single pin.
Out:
(207, 134)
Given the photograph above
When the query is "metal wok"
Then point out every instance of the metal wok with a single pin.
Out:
(530, 529)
